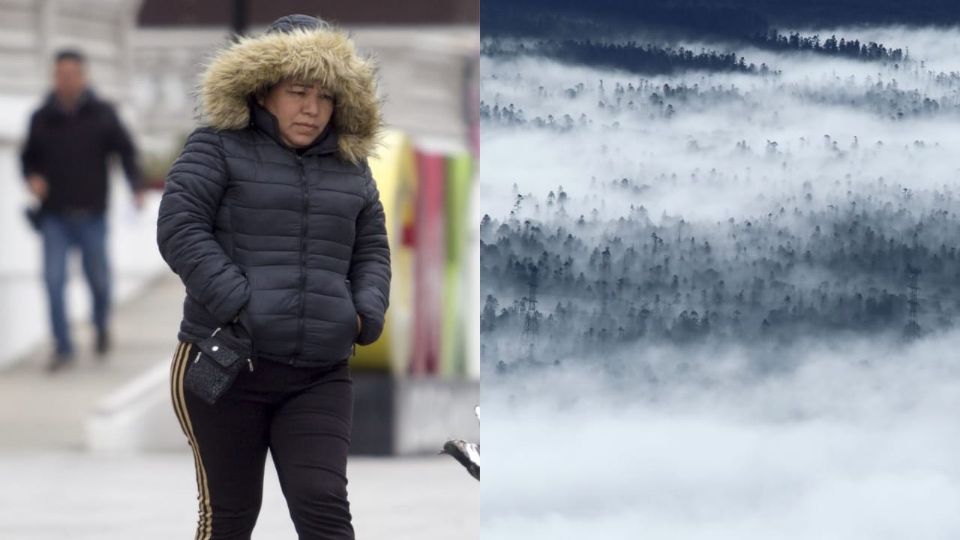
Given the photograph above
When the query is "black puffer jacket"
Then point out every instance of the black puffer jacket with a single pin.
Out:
(293, 242)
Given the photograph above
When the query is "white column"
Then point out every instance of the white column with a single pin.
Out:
(126, 24)
(46, 27)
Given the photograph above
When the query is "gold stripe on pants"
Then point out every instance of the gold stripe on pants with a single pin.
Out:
(181, 360)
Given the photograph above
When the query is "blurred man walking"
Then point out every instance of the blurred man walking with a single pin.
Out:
(65, 165)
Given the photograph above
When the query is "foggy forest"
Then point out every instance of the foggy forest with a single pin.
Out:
(718, 270)
(832, 243)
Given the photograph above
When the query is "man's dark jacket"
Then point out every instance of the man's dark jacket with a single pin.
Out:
(294, 243)
(70, 150)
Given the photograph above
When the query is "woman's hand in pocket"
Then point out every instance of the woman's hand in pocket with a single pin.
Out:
(239, 334)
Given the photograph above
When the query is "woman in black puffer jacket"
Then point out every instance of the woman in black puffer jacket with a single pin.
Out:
(273, 222)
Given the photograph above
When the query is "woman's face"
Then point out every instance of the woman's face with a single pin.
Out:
(302, 109)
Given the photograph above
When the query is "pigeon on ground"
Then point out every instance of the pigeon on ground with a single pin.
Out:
(468, 454)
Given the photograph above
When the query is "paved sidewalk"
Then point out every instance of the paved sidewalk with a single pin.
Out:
(41, 410)
(57, 495)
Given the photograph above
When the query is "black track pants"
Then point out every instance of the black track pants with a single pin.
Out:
(303, 416)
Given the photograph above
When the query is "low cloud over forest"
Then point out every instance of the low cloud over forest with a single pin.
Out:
(720, 301)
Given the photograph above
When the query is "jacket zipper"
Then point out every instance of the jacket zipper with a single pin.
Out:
(303, 254)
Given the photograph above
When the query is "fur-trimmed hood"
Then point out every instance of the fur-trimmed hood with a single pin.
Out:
(323, 54)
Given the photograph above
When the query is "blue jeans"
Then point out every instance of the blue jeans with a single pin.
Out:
(89, 233)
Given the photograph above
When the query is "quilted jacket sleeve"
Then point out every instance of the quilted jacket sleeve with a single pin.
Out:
(370, 266)
(194, 188)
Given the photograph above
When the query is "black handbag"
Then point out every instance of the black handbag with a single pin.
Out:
(214, 368)
(35, 217)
